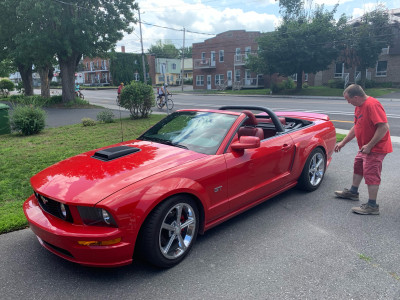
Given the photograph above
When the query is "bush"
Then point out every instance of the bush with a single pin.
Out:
(28, 120)
(106, 116)
(138, 98)
(288, 84)
(336, 83)
(54, 83)
(305, 85)
(6, 86)
(88, 122)
(276, 88)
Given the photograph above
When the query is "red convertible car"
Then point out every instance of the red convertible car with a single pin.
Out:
(189, 172)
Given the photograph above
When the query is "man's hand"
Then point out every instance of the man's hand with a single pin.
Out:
(339, 146)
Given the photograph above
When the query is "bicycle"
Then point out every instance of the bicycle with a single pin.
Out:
(161, 102)
(79, 95)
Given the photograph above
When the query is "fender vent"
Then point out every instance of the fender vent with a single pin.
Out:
(114, 153)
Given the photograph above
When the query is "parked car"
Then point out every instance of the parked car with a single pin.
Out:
(188, 173)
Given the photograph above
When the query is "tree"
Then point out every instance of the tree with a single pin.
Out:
(6, 67)
(164, 50)
(304, 43)
(364, 39)
(71, 29)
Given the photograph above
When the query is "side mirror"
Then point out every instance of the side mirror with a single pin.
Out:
(246, 142)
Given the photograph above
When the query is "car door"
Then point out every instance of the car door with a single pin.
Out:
(253, 174)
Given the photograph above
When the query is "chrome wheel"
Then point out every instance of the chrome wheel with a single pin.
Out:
(177, 230)
(316, 169)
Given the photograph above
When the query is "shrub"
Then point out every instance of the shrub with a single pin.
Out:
(336, 83)
(305, 85)
(88, 122)
(106, 116)
(6, 86)
(138, 98)
(276, 88)
(28, 120)
(288, 84)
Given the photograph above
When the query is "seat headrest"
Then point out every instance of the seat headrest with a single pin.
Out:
(251, 119)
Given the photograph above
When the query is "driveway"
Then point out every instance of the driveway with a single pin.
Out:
(294, 246)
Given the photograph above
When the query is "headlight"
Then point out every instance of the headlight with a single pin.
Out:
(95, 216)
(63, 211)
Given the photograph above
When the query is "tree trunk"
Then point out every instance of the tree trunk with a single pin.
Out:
(67, 74)
(26, 75)
(44, 80)
(299, 80)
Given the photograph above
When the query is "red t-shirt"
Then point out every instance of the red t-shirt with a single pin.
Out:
(120, 89)
(366, 117)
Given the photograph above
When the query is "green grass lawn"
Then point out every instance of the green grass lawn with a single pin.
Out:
(23, 156)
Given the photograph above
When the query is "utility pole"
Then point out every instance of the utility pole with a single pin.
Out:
(183, 58)
(141, 43)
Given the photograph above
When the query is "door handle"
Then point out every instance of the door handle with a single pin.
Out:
(286, 147)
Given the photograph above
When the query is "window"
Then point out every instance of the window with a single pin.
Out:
(160, 78)
(294, 77)
(221, 55)
(200, 80)
(203, 55)
(381, 68)
(219, 79)
(137, 77)
(247, 51)
(339, 70)
(305, 76)
(173, 66)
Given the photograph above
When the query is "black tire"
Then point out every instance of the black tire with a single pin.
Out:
(81, 96)
(158, 102)
(159, 242)
(170, 104)
(313, 172)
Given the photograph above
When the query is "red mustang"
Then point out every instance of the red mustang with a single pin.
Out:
(189, 172)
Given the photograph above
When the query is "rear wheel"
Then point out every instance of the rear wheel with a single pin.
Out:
(170, 231)
(313, 172)
(170, 104)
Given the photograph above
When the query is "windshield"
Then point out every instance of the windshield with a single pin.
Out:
(202, 132)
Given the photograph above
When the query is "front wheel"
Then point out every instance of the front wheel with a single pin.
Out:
(313, 172)
(170, 231)
(170, 104)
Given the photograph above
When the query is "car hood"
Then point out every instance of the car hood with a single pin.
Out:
(85, 180)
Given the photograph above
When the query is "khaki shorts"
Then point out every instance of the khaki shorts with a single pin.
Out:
(369, 166)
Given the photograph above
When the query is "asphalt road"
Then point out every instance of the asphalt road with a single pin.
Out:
(294, 246)
(340, 112)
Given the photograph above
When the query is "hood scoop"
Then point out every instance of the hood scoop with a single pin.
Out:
(114, 153)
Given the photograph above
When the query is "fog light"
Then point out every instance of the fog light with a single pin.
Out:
(99, 243)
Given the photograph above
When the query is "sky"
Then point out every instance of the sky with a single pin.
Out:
(202, 19)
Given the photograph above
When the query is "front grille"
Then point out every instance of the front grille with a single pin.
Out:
(53, 207)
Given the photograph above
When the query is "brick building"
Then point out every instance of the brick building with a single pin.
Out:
(96, 71)
(219, 62)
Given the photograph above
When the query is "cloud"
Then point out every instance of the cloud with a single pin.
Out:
(195, 17)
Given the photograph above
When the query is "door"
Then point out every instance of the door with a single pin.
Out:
(208, 82)
(229, 77)
(247, 76)
(256, 173)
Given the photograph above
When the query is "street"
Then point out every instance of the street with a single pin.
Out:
(340, 112)
(295, 246)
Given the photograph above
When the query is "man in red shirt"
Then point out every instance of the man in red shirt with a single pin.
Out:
(119, 91)
(372, 132)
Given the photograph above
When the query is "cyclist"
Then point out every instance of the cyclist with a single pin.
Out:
(162, 91)
(121, 86)
(77, 91)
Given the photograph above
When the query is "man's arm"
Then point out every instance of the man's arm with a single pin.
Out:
(381, 129)
(351, 135)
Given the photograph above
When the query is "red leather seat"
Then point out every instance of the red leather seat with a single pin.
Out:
(249, 128)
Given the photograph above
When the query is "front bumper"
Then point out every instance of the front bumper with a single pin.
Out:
(61, 238)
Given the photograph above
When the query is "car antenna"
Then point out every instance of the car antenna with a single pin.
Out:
(120, 120)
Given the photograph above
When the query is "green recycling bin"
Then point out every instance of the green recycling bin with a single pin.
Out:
(4, 119)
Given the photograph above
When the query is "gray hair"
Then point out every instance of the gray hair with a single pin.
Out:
(354, 90)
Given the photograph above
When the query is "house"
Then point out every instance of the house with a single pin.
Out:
(386, 70)
(96, 71)
(171, 67)
(220, 62)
